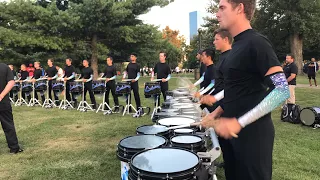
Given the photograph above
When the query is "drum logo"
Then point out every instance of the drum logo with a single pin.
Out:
(119, 88)
(41, 84)
(75, 86)
(148, 89)
(57, 84)
(94, 86)
(25, 86)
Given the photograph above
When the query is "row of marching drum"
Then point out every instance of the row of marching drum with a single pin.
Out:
(172, 148)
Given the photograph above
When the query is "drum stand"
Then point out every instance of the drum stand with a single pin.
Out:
(128, 105)
(156, 108)
(84, 105)
(65, 104)
(33, 100)
(20, 101)
(48, 103)
(103, 104)
(11, 100)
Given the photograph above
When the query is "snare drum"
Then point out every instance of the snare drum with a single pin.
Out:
(76, 87)
(57, 86)
(175, 121)
(183, 131)
(123, 88)
(310, 116)
(164, 163)
(152, 89)
(26, 87)
(16, 87)
(154, 130)
(190, 142)
(131, 145)
(40, 85)
(98, 87)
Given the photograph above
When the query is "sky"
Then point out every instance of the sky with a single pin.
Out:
(175, 15)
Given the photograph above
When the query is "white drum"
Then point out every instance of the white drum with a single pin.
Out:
(175, 121)
(182, 105)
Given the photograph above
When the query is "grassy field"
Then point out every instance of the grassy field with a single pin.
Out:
(73, 145)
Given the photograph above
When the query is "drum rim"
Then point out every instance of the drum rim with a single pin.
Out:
(192, 131)
(162, 132)
(195, 135)
(128, 149)
(311, 109)
(190, 171)
(175, 117)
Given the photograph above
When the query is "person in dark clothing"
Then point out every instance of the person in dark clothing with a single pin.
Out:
(52, 74)
(69, 76)
(133, 71)
(203, 67)
(6, 117)
(87, 76)
(291, 71)
(14, 73)
(25, 78)
(254, 85)
(312, 71)
(110, 74)
(163, 72)
(36, 76)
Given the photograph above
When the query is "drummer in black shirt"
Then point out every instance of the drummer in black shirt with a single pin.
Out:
(87, 76)
(163, 72)
(254, 85)
(52, 74)
(69, 76)
(14, 73)
(110, 74)
(133, 71)
(203, 67)
(24, 78)
(36, 76)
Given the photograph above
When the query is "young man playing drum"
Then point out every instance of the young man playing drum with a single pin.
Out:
(52, 74)
(87, 76)
(254, 85)
(110, 74)
(24, 78)
(69, 76)
(163, 72)
(37, 75)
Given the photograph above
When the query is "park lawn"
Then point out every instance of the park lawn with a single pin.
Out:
(73, 145)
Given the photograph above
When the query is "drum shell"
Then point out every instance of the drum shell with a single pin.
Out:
(26, 87)
(167, 134)
(123, 88)
(313, 116)
(98, 87)
(76, 87)
(16, 87)
(152, 89)
(40, 85)
(194, 147)
(57, 86)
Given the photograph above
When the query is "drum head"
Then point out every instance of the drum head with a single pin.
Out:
(175, 121)
(186, 139)
(152, 130)
(183, 131)
(142, 142)
(308, 116)
(165, 160)
(183, 105)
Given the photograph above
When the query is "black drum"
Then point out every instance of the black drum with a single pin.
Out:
(154, 130)
(76, 87)
(16, 87)
(164, 163)
(40, 85)
(123, 88)
(310, 116)
(152, 89)
(57, 86)
(26, 87)
(131, 145)
(183, 131)
(98, 87)
(169, 95)
(190, 142)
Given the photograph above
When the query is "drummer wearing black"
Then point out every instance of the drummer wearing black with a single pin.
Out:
(163, 72)
(52, 74)
(110, 74)
(69, 76)
(36, 76)
(14, 73)
(24, 78)
(87, 76)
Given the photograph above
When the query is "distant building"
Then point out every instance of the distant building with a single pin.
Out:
(195, 22)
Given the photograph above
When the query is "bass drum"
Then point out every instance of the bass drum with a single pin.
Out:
(310, 116)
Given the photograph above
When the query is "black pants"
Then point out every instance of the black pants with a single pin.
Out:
(36, 96)
(50, 92)
(9, 130)
(111, 86)
(88, 87)
(135, 89)
(68, 97)
(13, 96)
(249, 156)
(24, 96)
(164, 88)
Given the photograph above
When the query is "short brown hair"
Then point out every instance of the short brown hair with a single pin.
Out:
(51, 60)
(224, 34)
(249, 6)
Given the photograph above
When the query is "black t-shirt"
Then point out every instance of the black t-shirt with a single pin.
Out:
(52, 71)
(291, 69)
(14, 73)
(24, 75)
(162, 70)
(244, 70)
(311, 69)
(68, 71)
(132, 70)
(219, 84)
(37, 73)
(203, 69)
(5, 76)
(209, 76)
(110, 71)
(86, 73)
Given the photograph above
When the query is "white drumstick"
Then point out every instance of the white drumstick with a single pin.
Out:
(102, 79)
(156, 80)
(184, 126)
(127, 79)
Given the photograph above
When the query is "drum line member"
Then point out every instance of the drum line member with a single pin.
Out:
(203, 67)
(87, 76)
(24, 78)
(222, 43)
(37, 76)
(52, 73)
(163, 72)
(14, 73)
(133, 73)
(110, 73)
(6, 116)
(312, 71)
(249, 69)
(69, 76)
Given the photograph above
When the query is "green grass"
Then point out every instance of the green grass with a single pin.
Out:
(73, 145)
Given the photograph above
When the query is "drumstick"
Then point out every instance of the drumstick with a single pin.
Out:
(127, 79)
(156, 80)
(214, 123)
(185, 125)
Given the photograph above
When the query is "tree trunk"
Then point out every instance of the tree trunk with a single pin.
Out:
(94, 56)
(296, 43)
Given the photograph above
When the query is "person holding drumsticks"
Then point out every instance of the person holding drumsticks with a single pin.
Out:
(110, 74)
(36, 76)
(69, 76)
(254, 85)
(87, 76)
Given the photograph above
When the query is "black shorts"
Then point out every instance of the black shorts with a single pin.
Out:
(312, 76)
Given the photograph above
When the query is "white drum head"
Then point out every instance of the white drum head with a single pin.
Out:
(175, 121)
